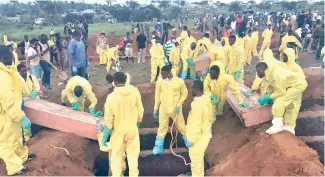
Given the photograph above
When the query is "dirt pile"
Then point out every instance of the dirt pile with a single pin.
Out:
(263, 155)
(315, 89)
(55, 162)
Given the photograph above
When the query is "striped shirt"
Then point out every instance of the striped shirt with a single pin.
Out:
(168, 46)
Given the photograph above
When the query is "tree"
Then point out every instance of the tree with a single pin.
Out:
(289, 5)
(265, 5)
(132, 4)
(235, 6)
(173, 12)
(163, 4)
(14, 2)
(201, 3)
(146, 13)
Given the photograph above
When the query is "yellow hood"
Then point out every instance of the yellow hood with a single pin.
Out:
(124, 90)
(15, 77)
(291, 56)
(222, 69)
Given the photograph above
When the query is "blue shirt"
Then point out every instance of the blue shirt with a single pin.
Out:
(77, 50)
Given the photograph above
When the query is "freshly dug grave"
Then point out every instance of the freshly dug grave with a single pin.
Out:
(270, 155)
(54, 162)
(315, 79)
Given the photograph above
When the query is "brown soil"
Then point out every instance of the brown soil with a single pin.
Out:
(315, 89)
(264, 155)
(315, 108)
(55, 162)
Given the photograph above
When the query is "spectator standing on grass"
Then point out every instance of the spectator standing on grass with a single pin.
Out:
(45, 61)
(77, 56)
(33, 56)
(128, 40)
(321, 43)
(166, 27)
(64, 54)
(147, 28)
(141, 41)
(316, 35)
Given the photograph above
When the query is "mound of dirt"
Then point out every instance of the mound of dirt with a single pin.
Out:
(315, 79)
(263, 155)
(54, 161)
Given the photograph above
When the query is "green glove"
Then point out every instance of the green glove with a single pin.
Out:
(75, 106)
(100, 128)
(249, 92)
(237, 75)
(106, 133)
(243, 105)
(33, 94)
(94, 113)
(139, 124)
(190, 61)
(25, 123)
(266, 99)
(214, 99)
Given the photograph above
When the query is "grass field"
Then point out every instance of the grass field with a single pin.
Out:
(120, 29)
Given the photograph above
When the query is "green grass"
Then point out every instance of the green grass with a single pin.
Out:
(120, 29)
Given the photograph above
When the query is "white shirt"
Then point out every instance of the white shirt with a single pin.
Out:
(26, 46)
(319, 18)
(30, 52)
(233, 25)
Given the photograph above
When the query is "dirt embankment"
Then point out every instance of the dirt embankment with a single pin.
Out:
(277, 155)
(54, 162)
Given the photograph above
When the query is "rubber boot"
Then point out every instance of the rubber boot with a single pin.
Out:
(277, 126)
(289, 129)
(159, 146)
(184, 75)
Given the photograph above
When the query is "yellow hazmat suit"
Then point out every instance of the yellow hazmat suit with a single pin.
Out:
(226, 49)
(182, 40)
(12, 150)
(240, 41)
(102, 55)
(219, 89)
(254, 42)
(188, 53)
(291, 64)
(284, 46)
(168, 96)
(67, 95)
(175, 56)
(248, 49)
(122, 117)
(204, 41)
(157, 55)
(288, 87)
(236, 61)
(198, 132)
(267, 36)
(30, 84)
(112, 55)
(217, 54)
(14, 46)
(271, 62)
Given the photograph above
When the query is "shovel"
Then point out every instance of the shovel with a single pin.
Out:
(62, 74)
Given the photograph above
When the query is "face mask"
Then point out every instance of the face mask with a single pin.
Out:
(153, 36)
(102, 36)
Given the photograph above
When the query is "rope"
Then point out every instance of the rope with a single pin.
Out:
(60, 148)
(174, 140)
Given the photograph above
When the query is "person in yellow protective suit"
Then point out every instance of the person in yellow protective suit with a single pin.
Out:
(265, 86)
(198, 128)
(122, 119)
(13, 46)
(322, 52)
(226, 50)
(189, 55)
(240, 41)
(236, 60)
(248, 47)
(102, 48)
(175, 59)
(216, 84)
(12, 118)
(216, 53)
(30, 88)
(30, 83)
(170, 95)
(267, 36)
(158, 59)
(205, 41)
(290, 62)
(291, 41)
(182, 38)
(75, 91)
(288, 87)
(112, 55)
(254, 41)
